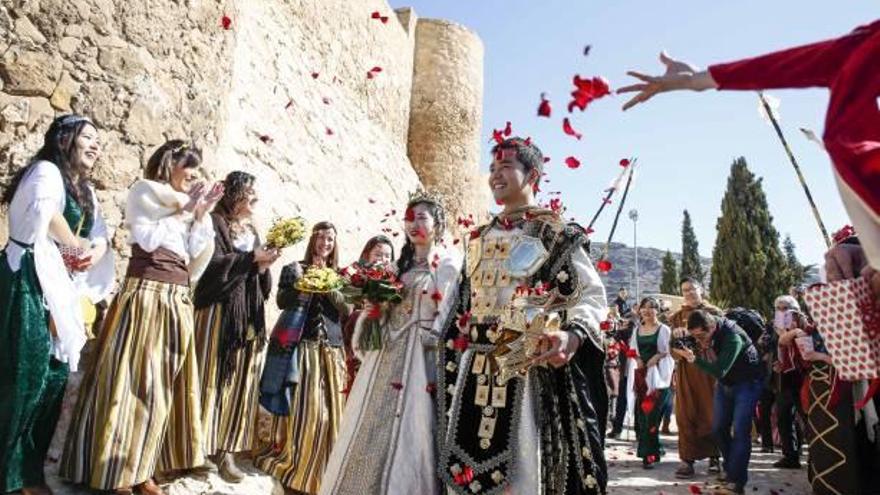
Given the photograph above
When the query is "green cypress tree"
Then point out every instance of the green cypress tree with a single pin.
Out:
(690, 256)
(669, 278)
(796, 272)
(748, 268)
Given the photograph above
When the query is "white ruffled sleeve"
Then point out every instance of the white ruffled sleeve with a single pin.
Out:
(200, 246)
(660, 375)
(98, 282)
(592, 307)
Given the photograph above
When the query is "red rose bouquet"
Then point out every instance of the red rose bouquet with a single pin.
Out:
(377, 285)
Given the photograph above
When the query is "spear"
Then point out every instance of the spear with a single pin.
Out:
(797, 168)
(609, 192)
(603, 265)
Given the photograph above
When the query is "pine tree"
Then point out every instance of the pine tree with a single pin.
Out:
(690, 256)
(748, 268)
(795, 271)
(669, 279)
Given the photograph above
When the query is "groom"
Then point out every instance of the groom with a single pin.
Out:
(521, 395)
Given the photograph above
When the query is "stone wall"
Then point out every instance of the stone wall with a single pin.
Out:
(283, 94)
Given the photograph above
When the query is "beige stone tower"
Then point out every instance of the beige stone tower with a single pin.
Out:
(446, 112)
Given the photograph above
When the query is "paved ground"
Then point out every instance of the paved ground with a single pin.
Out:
(627, 477)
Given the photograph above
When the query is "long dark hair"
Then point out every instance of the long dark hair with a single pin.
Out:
(175, 152)
(235, 189)
(373, 242)
(408, 251)
(59, 144)
(333, 259)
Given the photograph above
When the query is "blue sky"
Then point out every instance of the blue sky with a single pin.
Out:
(685, 142)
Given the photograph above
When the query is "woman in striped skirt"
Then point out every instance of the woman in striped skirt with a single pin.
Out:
(303, 379)
(138, 409)
(38, 348)
(230, 325)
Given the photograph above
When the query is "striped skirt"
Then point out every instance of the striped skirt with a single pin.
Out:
(138, 409)
(229, 410)
(301, 443)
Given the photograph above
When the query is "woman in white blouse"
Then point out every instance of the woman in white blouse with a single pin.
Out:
(138, 410)
(47, 202)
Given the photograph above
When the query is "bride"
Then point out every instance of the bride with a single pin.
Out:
(386, 442)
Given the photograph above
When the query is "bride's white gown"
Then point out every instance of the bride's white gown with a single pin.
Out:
(386, 442)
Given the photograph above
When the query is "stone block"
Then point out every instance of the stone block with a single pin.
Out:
(29, 73)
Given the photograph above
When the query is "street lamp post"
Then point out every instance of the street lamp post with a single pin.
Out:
(634, 216)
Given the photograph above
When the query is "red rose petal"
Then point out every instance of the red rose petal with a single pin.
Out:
(587, 50)
(326, 100)
(329, 131)
(396, 385)
(289, 104)
(605, 325)
(371, 200)
(226, 22)
(431, 388)
(436, 296)
(544, 109)
(603, 266)
(315, 75)
(572, 162)
(508, 130)
(568, 129)
(266, 138)
(695, 489)
(624, 162)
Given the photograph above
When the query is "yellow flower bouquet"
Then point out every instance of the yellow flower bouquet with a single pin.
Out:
(286, 232)
(319, 280)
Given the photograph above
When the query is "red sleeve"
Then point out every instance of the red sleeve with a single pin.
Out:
(805, 66)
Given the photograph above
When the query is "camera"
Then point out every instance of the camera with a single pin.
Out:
(686, 342)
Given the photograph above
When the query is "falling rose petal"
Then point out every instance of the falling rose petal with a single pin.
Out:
(587, 50)
(546, 159)
(572, 162)
(396, 385)
(431, 388)
(568, 129)
(326, 100)
(604, 266)
(498, 137)
(289, 105)
(605, 325)
(455, 242)
(461, 343)
(508, 129)
(395, 234)
(315, 75)
(226, 22)
(544, 109)
(695, 489)
(587, 90)
(436, 296)
(373, 72)
(371, 200)
(266, 138)
(624, 162)
(499, 202)
(556, 205)
(380, 17)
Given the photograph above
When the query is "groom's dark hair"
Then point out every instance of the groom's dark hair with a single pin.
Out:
(526, 153)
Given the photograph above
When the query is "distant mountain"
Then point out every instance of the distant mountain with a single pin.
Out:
(622, 258)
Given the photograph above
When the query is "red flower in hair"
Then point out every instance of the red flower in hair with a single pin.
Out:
(498, 136)
(604, 266)
(572, 162)
(568, 129)
(544, 109)
(226, 22)
(508, 130)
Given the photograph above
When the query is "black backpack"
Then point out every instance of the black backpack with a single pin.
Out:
(749, 320)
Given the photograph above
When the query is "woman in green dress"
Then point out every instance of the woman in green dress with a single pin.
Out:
(47, 202)
(650, 376)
